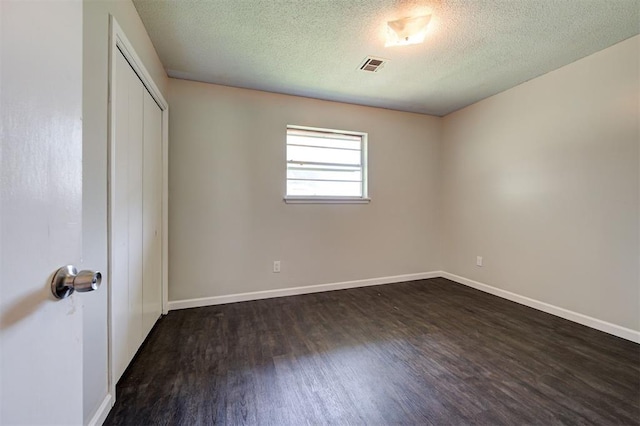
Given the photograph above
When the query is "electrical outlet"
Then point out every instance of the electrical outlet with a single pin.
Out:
(276, 266)
(478, 260)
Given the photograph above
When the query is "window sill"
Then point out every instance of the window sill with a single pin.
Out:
(326, 200)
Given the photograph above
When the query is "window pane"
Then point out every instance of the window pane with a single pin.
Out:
(322, 155)
(324, 142)
(323, 174)
(324, 188)
(323, 134)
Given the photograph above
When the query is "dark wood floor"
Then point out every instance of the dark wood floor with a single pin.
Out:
(424, 352)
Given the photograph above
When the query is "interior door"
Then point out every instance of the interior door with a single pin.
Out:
(40, 210)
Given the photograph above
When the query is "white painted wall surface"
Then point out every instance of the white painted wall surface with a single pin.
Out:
(227, 219)
(95, 80)
(542, 181)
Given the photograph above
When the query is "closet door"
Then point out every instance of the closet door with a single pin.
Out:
(126, 181)
(135, 187)
(119, 220)
(126, 215)
(152, 214)
(136, 215)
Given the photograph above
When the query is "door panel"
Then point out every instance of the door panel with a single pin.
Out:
(120, 221)
(152, 214)
(136, 102)
(126, 213)
(40, 211)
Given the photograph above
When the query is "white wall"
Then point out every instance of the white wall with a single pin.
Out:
(95, 80)
(542, 181)
(227, 219)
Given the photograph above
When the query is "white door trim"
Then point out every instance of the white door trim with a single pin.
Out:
(119, 41)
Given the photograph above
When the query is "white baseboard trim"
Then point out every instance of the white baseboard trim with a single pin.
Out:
(102, 412)
(607, 327)
(292, 291)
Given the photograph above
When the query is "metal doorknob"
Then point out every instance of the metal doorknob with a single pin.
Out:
(67, 280)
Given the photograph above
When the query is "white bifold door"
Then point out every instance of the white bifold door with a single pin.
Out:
(136, 215)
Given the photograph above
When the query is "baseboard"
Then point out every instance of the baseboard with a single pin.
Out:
(607, 327)
(292, 291)
(102, 412)
(616, 330)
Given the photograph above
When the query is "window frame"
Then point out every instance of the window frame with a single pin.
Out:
(331, 199)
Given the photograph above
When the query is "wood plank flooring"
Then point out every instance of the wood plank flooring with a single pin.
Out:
(423, 352)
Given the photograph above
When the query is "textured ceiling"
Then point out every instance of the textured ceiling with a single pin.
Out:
(474, 48)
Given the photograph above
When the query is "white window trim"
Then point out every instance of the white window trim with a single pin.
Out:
(326, 200)
(317, 199)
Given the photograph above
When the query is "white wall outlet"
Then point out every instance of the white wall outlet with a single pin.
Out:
(276, 266)
(478, 260)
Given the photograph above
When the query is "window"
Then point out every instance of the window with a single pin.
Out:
(326, 165)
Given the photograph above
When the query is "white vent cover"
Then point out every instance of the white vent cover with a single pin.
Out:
(372, 64)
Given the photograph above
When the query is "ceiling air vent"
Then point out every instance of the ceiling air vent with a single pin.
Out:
(372, 64)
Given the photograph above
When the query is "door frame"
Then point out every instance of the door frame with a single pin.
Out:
(118, 41)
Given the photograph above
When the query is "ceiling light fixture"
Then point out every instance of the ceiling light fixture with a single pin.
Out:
(407, 31)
